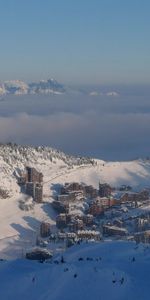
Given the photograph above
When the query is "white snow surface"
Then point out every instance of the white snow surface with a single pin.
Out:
(19, 228)
(111, 273)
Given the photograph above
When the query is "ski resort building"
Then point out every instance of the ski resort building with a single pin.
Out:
(71, 187)
(76, 189)
(66, 197)
(76, 225)
(35, 190)
(61, 207)
(38, 194)
(114, 230)
(89, 235)
(33, 175)
(105, 190)
(90, 191)
(45, 229)
(135, 197)
(96, 209)
(88, 219)
(61, 221)
(142, 237)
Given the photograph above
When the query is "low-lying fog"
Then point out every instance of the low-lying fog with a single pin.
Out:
(111, 127)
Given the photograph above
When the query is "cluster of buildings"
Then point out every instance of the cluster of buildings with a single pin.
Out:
(74, 222)
(104, 210)
(71, 238)
(78, 189)
(134, 197)
(97, 202)
(100, 204)
(78, 234)
(106, 200)
(32, 182)
(74, 192)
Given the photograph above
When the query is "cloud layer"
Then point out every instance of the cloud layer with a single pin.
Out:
(111, 129)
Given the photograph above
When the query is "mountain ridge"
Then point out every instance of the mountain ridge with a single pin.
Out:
(19, 87)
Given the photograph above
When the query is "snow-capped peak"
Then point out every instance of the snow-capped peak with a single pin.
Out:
(18, 87)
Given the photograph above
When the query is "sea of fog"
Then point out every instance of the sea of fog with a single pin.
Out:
(101, 126)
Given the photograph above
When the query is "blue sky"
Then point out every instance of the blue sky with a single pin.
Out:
(81, 42)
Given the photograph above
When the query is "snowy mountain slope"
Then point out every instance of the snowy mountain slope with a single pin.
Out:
(18, 87)
(60, 168)
(46, 87)
(135, 173)
(110, 270)
(19, 228)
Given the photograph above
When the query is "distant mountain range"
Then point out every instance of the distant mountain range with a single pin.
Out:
(46, 87)
(18, 87)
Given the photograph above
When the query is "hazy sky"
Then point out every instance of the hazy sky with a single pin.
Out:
(75, 41)
(104, 43)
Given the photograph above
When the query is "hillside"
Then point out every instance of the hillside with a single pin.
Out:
(19, 228)
(110, 270)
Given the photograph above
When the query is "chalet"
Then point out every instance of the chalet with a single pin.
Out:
(61, 236)
(142, 237)
(39, 254)
(71, 235)
(112, 230)
(88, 235)
(142, 223)
(118, 223)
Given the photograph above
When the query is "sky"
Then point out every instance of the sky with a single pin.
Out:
(77, 42)
(88, 45)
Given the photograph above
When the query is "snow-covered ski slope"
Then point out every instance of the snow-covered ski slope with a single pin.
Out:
(109, 270)
(58, 167)
(19, 228)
